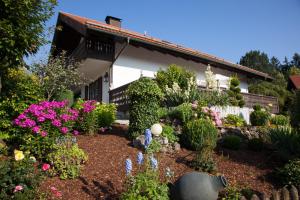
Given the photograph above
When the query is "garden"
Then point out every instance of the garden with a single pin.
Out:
(54, 145)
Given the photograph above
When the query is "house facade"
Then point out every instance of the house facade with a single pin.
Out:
(111, 56)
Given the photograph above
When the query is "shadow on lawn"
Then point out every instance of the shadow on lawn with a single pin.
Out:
(99, 191)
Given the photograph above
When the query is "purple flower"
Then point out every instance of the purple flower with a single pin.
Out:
(128, 166)
(154, 163)
(140, 158)
(56, 123)
(36, 129)
(41, 119)
(64, 130)
(148, 137)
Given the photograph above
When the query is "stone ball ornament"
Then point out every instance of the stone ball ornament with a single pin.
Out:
(156, 129)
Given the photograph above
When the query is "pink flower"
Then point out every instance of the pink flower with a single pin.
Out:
(75, 132)
(102, 129)
(36, 129)
(56, 123)
(64, 130)
(45, 167)
(18, 188)
(44, 133)
(41, 119)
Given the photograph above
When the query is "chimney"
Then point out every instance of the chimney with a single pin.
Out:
(113, 21)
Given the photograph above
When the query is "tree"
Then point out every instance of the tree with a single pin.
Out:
(275, 63)
(296, 60)
(57, 75)
(234, 92)
(21, 29)
(257, 60)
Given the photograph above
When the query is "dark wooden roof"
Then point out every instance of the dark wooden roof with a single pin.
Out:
(81, 24)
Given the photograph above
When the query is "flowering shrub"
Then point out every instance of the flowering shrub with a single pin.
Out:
(87, 121)
(213, 115)
(18, 178)
(46, 121)
(146, 183)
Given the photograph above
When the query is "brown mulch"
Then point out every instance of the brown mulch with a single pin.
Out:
(103, 175)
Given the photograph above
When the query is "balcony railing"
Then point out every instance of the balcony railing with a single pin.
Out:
(118, 96)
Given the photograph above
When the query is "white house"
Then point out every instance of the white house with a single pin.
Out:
(112, 56)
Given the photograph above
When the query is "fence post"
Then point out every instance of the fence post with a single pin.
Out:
(294, 193)
(285, 193)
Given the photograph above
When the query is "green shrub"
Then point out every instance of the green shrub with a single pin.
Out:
(289, 174)
(232, 193)
(145, 97)
(65, 95)
(174, 74)
(255, 144)
(19, 90)
(257, 107)
(234, 120)
(235, 98)
(13, 173)
(169, 132)
(286, 140)
(154, 147)
(67, 160)
(259, 118)
(280, 120)
(163, 112)
(213, 98)
(183, 112)
(232, 142)
(199, 133)
(106, 114)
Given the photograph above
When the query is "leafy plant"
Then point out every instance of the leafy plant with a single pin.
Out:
(57, 75)
(295, 110)
(146, 183)
(280, 120)
(234, 92)
(169, 132)
(21, 90)
(162, 112)
(18, 41)
(259, 118)
(106, 114)
(199, 133)
(289, 174)
(232, 142)
(214, 98)
(232, 193)
(154, 147)
(145, 97)
(256, 144)
(67, 160)
(183, 112)
(18, 173)
(234, 120)
(65, 95)
(286, 140)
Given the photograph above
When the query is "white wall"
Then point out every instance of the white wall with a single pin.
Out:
(135, 61)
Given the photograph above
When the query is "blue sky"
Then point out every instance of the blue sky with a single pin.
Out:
(224, 28)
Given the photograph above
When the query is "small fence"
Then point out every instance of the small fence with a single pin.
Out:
(119, 97)
(282, 194)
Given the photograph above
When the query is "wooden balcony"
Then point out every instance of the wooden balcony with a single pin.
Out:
(118, 96)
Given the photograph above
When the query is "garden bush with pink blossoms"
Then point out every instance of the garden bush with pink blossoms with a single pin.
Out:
(46, 121)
